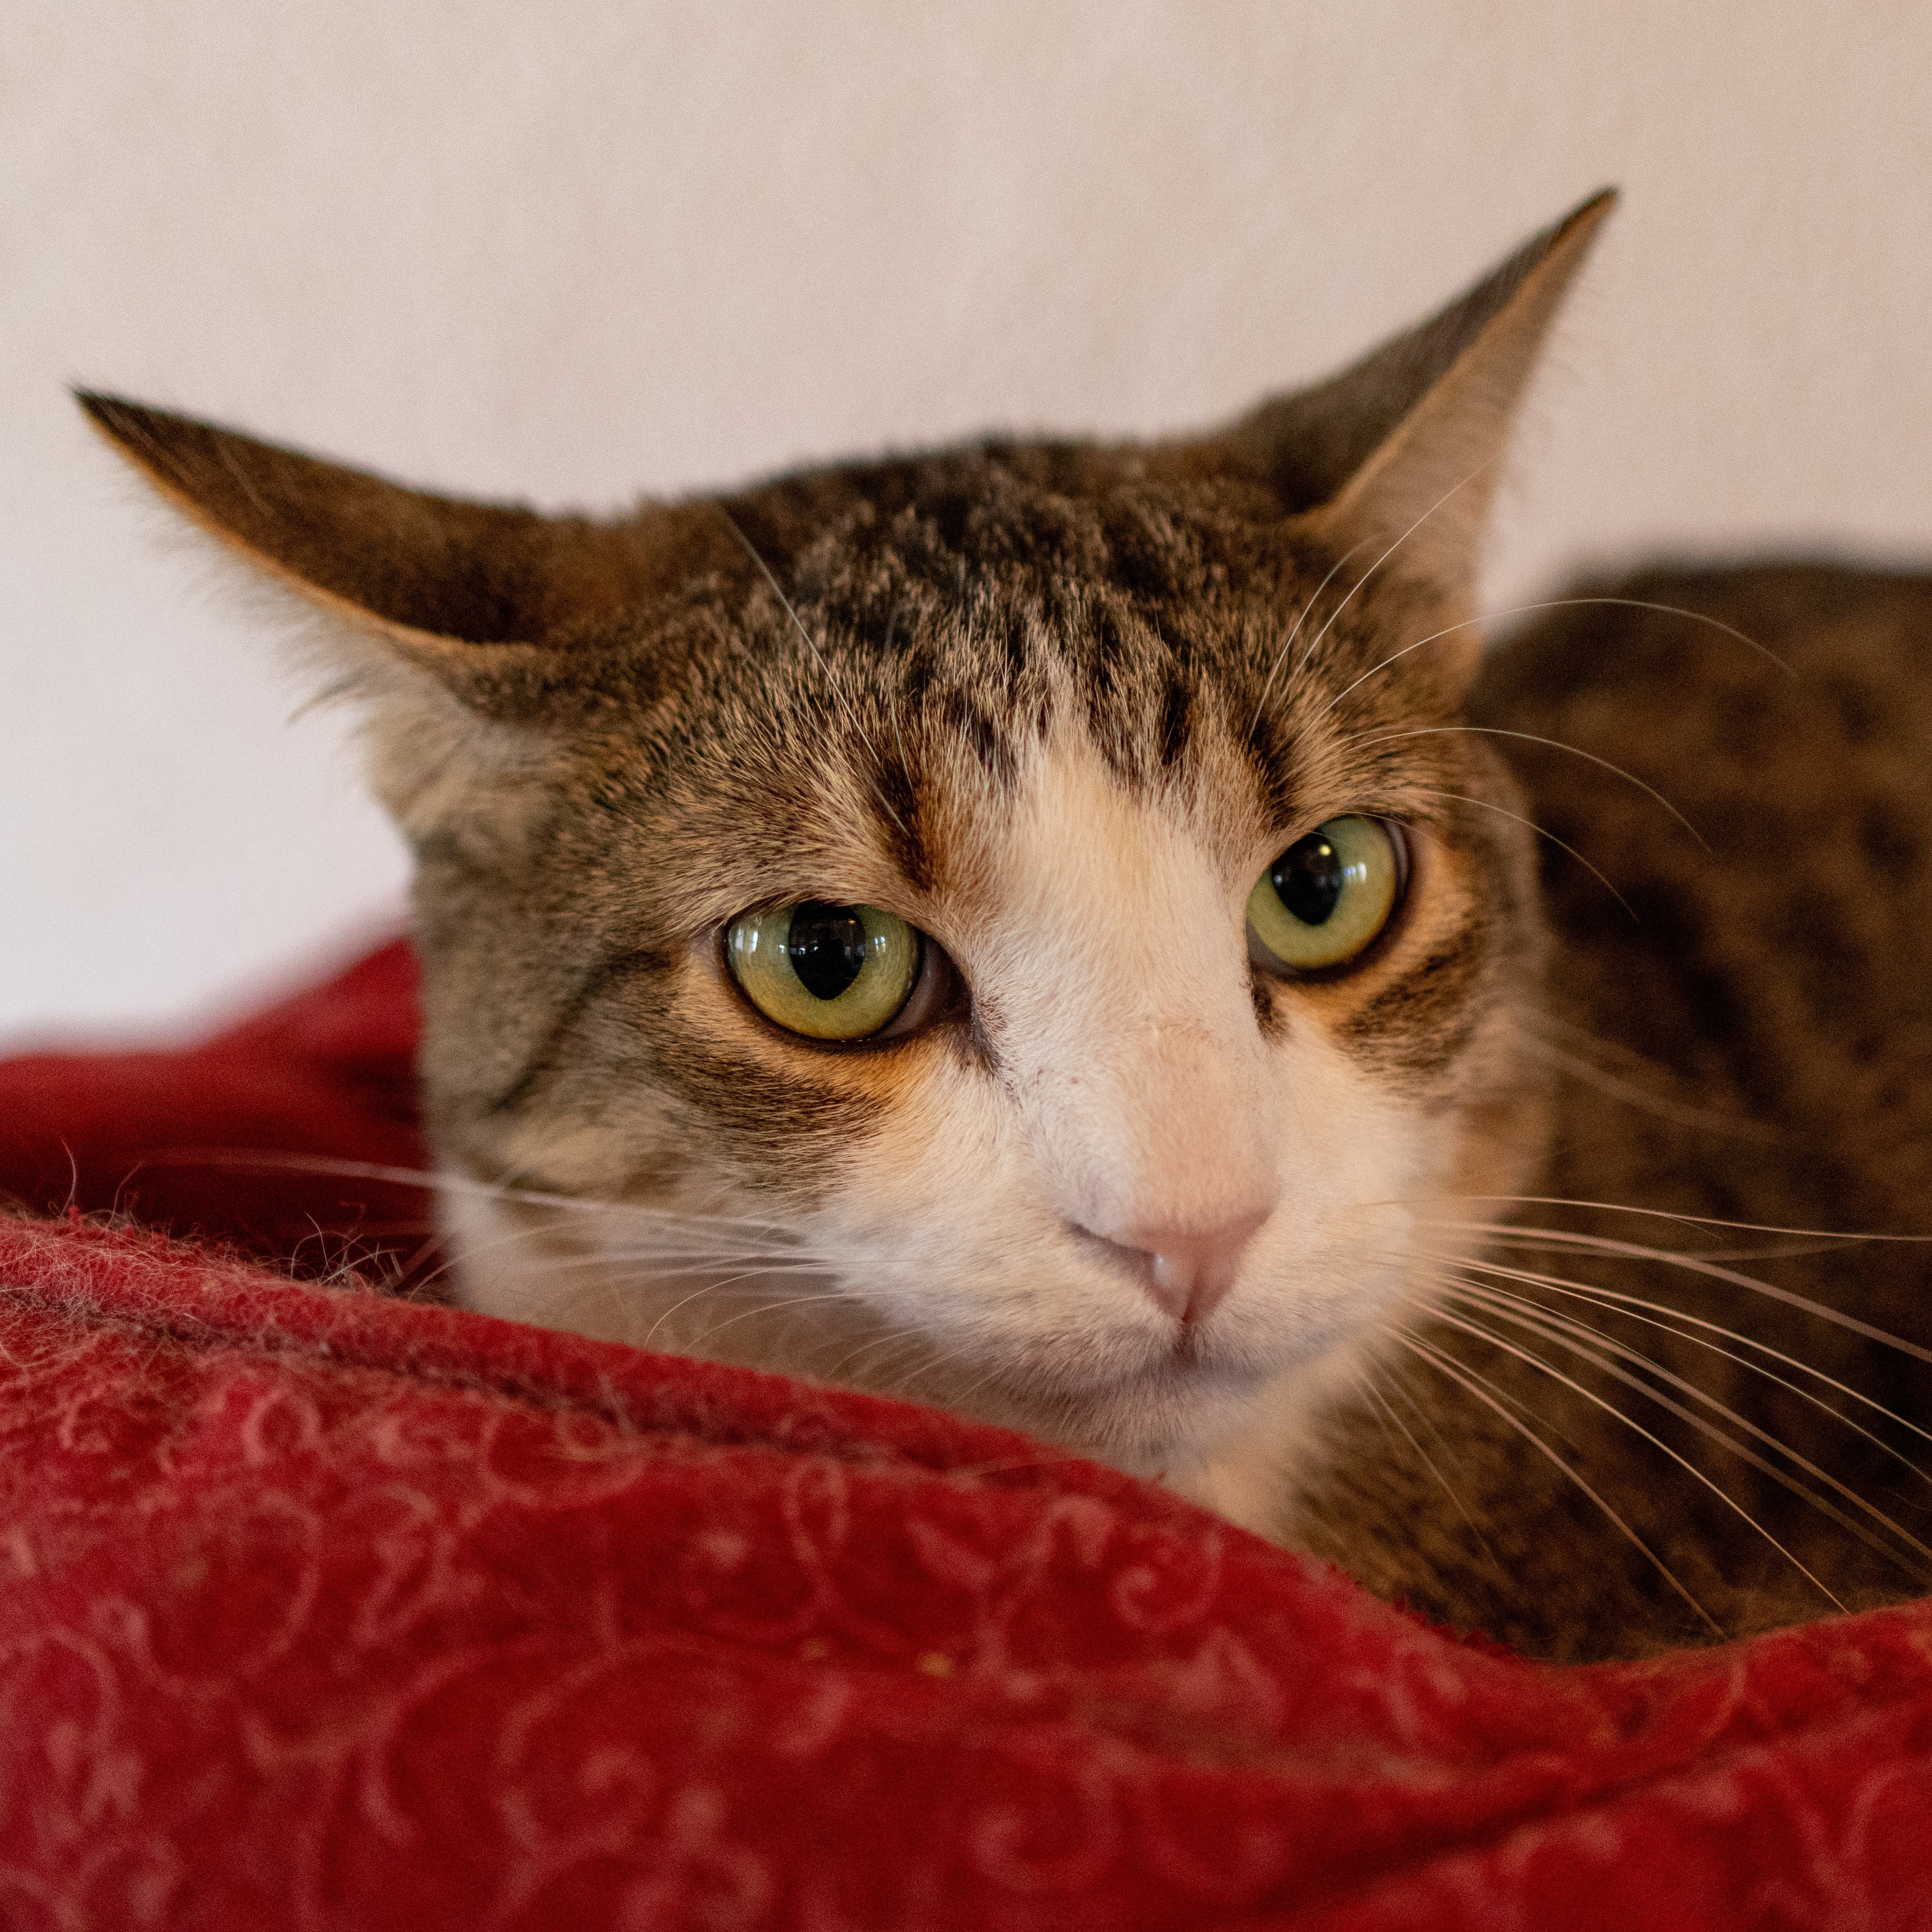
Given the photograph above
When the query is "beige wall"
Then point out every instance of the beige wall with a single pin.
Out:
(578, 249)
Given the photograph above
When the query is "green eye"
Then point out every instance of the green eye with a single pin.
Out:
(829, 972)
(1328, 895)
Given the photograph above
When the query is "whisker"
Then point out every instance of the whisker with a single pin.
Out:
(1570, 1382)
(1636, 1251)
(431, 1182)
(770, 1308)
(1743, 637)
(675, 1254)
(960, 1398)
(926, 1363)
(650, 1333)
(1372, 1397)
(1556, 1328)
(1627, 1091)
(708, 1288)
(1444, 1365)
(1628, 1305)
(1429, 1421)
(900, 1336)
(780, 1261)
(1366, 1383)
(1673, 1214)
(1462, 798)
(1287, 643)
(1560, 604)
(1625, 1304)
(892, 691)
(1530, 738)
(1333, 615)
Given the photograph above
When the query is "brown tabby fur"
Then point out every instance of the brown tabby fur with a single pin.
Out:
(1750, 1041)
(607, 740)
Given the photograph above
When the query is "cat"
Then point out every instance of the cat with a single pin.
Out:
(1085, 935)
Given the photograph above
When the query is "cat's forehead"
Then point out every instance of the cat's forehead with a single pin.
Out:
(914, 655)
(1044, 521)
(993, 749)
(1143, 597)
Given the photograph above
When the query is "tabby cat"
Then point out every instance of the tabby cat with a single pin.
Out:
(1083, 934)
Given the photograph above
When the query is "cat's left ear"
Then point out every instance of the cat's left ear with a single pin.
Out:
(1403, 448)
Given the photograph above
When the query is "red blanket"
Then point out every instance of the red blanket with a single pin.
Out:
(321, 1609)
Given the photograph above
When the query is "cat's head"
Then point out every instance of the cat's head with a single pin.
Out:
(1024, 920)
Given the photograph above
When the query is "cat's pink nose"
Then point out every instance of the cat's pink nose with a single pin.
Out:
(1187, 1273)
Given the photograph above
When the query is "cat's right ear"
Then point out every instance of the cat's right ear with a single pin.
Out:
(438, 616)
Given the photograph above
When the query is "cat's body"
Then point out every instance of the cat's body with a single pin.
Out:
(1224, 1011)
(1749, 1039)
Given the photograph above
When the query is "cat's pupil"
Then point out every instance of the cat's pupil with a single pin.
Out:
(827, 947)
(1308, 879)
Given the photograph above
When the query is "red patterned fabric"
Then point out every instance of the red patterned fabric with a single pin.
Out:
(319, 1609)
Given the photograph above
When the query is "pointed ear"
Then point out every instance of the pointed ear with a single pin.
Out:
(447, 620)
(414, 605)
(402, 563)
(1405, 446)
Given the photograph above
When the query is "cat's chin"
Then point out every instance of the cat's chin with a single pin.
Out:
(1237, 1443)
(1231, 1441)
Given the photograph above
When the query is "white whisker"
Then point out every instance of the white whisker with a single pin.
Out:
(1315, 644)
(1462, 798)
(1557, 603)
(770, 1308)
(1287, 643)
(1604, 1244)
(1620, 1303)
(732, 1283)
(1366, 1383)
(1632, 1095)
(1552, 1326)
(1445, 1365)
(1535, 1361)
(839, 696)
(1530, 738)
(1673, 1214)
(899, 1336)
(432, 1182)
(918, 1346)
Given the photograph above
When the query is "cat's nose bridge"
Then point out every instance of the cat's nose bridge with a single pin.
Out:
(1163, 1145)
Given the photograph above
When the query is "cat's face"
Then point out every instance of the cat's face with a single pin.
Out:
(1164, 938)
(1069, 782)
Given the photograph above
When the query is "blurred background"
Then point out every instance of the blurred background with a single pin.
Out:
(575, 252)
